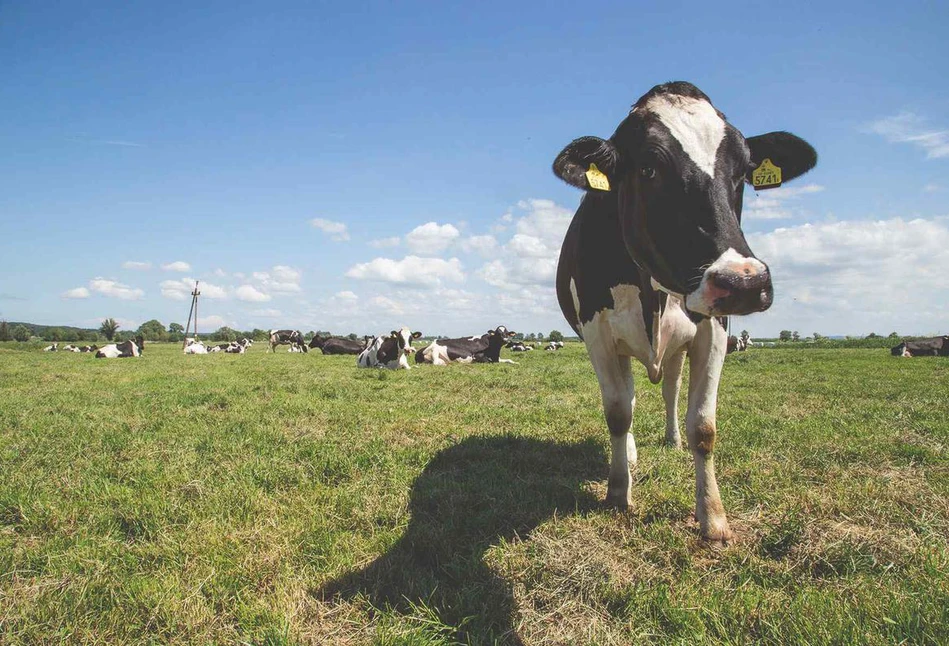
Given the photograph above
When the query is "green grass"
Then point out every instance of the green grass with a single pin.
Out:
(278, 499)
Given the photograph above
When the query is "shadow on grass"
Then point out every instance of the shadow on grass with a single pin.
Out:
(468, 498)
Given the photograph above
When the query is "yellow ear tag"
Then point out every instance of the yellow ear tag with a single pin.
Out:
(596, 179)
(767, 175)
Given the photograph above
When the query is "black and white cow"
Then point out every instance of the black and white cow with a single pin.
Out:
(51, 348)
(388, 351)
(128, 348)
(654, 253)
(475, 349)
(89, 348)
(935, 347)
(71, 348)
(339, 345)
(194, 346)
(286, 337)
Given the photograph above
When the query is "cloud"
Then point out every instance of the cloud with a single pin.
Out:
(411, 270)
(880, 274)
(335, 230)
(180, 290)
(250, 294)
(431, 238)
(485, 245)
(115, 289)
(78, 292)
(771, 204)
(932, 188)
(910, 128)
(269, 313)
(178, 265)
(383, 243)
(346, 296)
(212, 322)
(280, 279)
(134, 264)
(220, 273)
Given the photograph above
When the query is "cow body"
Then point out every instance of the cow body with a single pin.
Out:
(286, 337)
(475, 349)
(935, 347)
(51, 348)
(125, 349)
(651, 259)
(339, 345)
(195, 347)
(388, 351)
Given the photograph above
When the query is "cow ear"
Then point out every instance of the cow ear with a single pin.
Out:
(790, 153)
(586, 161)
(416, 335)
(393, 333)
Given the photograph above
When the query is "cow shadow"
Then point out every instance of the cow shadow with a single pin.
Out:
(470, 497)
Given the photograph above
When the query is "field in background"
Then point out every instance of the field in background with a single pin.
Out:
(293, 498)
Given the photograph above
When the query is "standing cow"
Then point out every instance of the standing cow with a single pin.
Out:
(287, 337)
(655, 252)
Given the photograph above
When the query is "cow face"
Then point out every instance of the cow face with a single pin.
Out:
(501, 332)
(398, 343)
(677, 169)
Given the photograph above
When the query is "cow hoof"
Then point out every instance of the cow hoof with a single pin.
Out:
(720, 537)
(618, 500)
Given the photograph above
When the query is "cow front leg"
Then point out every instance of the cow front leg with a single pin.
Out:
(706, 357)
(671, 382)
(616, 386)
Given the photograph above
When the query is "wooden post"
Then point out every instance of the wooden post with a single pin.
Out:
(192, 313)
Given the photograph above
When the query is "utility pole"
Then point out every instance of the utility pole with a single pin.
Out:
(193, 312)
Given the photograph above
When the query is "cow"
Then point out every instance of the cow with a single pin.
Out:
(246, 342)
(655, 253)
(339, 345)
(195, 347)
(128, 348)
(71, 348)
(89, 348)
(235, 348)
(297, 347)
(388, 350)
(51, 348)
(285, 337)
(554, 345)
(475, 349)
(934, 347)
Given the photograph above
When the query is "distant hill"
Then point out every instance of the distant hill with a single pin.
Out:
(40, 330)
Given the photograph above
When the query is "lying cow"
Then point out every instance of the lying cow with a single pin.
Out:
(388, 351)
(655, 252)
(193, 346)
(339, 345)
(554, 345)
(89, 348)
(520, 347)
(935, 347)
(128, 348)
(287, 337)
(51, 348)
(71, 348)
(476, 349)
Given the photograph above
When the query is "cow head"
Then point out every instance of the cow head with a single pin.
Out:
(140, 342)
(677, 170)
(398, 342)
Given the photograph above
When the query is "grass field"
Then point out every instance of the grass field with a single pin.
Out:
(278, 498)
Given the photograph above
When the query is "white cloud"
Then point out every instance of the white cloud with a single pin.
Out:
(220, 273)
(910, 128)
(250, 294)
(382, 243)
(78, 292)
(335, 230)
(180, 290)
(115, 289)
(411, 270)
(431, 238)
(269, 313)
(841, 276)
(771, 204)
(178, 265)
(134, 264)
(346, 296)
(211, 323)
(485, 245)
(280, 279)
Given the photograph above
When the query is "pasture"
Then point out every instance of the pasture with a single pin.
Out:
(283, 499)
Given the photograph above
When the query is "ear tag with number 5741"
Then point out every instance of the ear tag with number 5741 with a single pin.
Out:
(767, 175)
(596, 179)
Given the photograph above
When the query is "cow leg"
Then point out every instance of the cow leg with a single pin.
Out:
(616, 386)
(706, 357)
(671, 382)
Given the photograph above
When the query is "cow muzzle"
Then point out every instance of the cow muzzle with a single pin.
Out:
(733, 285)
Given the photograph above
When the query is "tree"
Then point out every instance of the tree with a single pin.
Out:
(54, 334)
(818, 337)
(176, 328)
(108, 328)
(259, 335)
(21, 333)
(873, 335)
(153, 330)
(352, 336)
(225, 334)
(894, 335)
(5, 331)
(555, 335)
(795, 336)
(785, 335)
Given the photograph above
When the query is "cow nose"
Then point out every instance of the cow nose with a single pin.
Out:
(741, 286)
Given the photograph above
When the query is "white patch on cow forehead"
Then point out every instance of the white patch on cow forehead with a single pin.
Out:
(694, 123)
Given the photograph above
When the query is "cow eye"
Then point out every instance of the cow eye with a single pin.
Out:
(647, 172)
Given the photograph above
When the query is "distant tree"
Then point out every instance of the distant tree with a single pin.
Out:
(108, 328)
(352, 336)
(795, 336)
(225, 334)
(5, 331)
(785, 335)
(555, 335)
(21, 333)
(54, 334)
(894, 335)
(153, 330)
(176, 328)
(531, 336)
(309, 335)
(873, 335)
(540, 336)
(818, 337)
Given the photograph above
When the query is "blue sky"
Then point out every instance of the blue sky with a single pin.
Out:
(208, 138)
